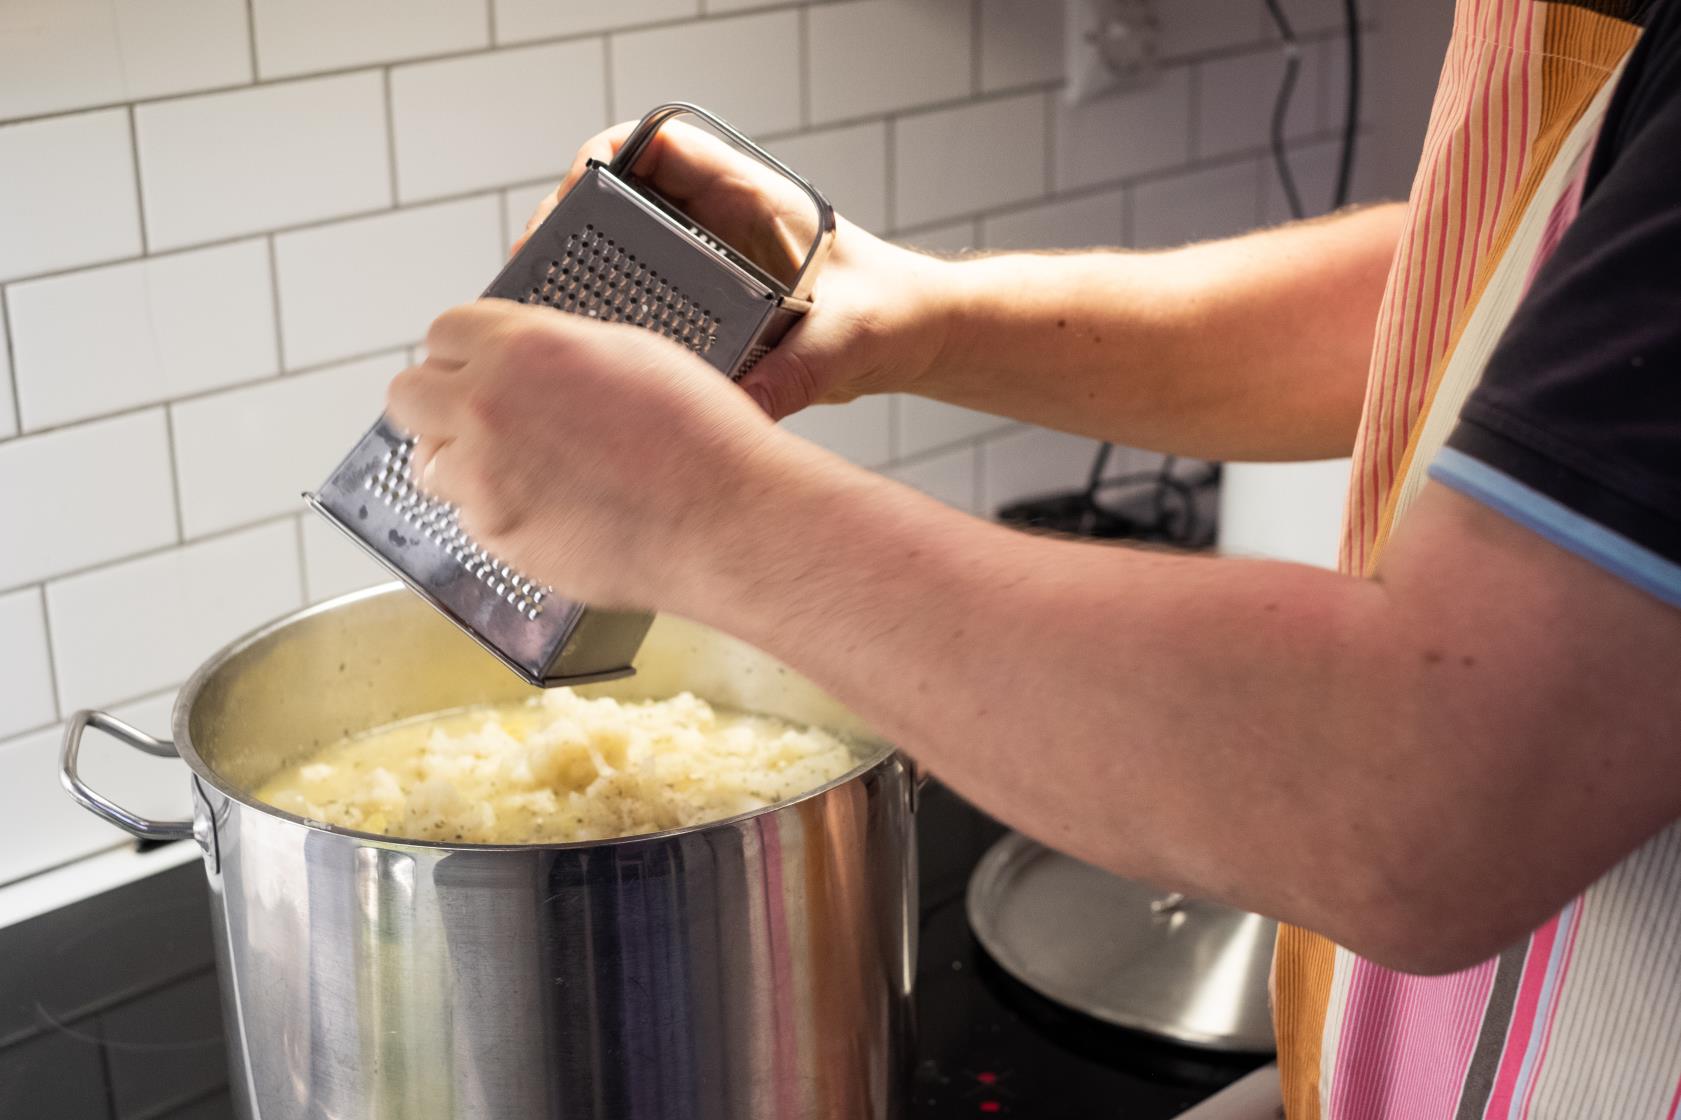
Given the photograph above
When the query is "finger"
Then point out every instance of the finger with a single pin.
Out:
(426, 470)
(459, 333)
(781, 384)
(424, 400)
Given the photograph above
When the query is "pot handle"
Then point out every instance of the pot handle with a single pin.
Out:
(97, 803)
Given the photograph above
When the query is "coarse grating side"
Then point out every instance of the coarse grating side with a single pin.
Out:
(439, 522)
(612, 250)
(752, 359)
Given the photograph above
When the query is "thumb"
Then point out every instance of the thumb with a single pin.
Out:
(781, 384)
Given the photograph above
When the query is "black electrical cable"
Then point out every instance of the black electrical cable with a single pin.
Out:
(1351, 105)
(1281, 108)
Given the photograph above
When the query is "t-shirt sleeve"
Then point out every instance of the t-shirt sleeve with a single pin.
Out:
(1575, 428)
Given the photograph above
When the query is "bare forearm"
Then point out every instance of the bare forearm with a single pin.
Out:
(1251, 348)
(1327, 750)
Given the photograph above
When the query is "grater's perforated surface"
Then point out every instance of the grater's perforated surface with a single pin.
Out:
(440, 523)
(593, 275)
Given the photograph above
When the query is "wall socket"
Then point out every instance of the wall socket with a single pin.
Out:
(1110, 45)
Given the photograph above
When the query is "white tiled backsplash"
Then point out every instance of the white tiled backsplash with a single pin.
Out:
(224, 225)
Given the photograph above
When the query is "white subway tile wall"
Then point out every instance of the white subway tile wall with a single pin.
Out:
(373, 283)
(953, 478)
(84, 495)
(453, 129)
(333, 563)
(309, 36)
(1085, 222)
(223, 164)
(144, 625)
(744, 68)
(1021, 43)
(223, 226)
(67, 193)
(1217, 202)
(26, 683)
(96, 341)
(246, 454)
(8, 403)
(71, 54)
(519, 21)
(968, 159)
(849, 164)
(913, 54)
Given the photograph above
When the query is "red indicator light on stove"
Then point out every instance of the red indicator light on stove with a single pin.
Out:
(991, 1106)
(987, 1078)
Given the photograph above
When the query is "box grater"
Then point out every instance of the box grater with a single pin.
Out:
(612, 249)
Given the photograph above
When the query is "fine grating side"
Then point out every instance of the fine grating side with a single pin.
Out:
(593, 275)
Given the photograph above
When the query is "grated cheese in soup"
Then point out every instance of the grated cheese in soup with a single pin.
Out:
(561, 768)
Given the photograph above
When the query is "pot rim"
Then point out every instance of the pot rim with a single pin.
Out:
(882, 754)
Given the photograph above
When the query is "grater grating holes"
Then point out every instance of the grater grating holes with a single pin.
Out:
(592, 275)
(439, 523)
(752, 359)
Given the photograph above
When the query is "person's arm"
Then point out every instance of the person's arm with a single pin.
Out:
(1421, 766)
(1254, 347)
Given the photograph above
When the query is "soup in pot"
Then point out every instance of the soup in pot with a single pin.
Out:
(560, 768)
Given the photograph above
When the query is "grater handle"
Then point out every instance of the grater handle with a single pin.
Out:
(97, 803)
(643, 135)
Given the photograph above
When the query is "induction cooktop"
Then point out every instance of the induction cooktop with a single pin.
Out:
(989, 1046)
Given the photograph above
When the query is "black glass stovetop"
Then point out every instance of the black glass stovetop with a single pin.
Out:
(989, 1046)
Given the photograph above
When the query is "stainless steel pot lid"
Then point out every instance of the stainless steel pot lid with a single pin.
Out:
(1122, 952)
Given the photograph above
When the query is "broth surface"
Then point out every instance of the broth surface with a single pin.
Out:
(556, 769)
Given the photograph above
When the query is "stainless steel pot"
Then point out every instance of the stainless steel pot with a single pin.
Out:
(758, 967)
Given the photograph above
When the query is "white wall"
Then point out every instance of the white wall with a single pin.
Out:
(224, 225)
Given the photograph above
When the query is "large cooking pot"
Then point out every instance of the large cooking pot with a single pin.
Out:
(758, 967)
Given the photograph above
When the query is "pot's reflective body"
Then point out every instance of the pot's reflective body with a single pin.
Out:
(752, 969)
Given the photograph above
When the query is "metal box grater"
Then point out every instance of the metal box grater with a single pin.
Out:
(614, 250)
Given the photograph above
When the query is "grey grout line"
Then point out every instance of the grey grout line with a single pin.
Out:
(303, 559)
(1225, 160)
(1193, 111)
(490, 23)
(274, 300)
(390, 136)
(890, 171)
(214, 391)
(803, 31)
(52, 656)
(150, 553)
(481, 192)
(11, 366)
(892, 229)
(1051, 135)
(607, 78)
(251, 38)
(139, 186)
(105, 705)
(976, 60)
(1233, 51)
(275, 231)
(174, 473)
(502, 225)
